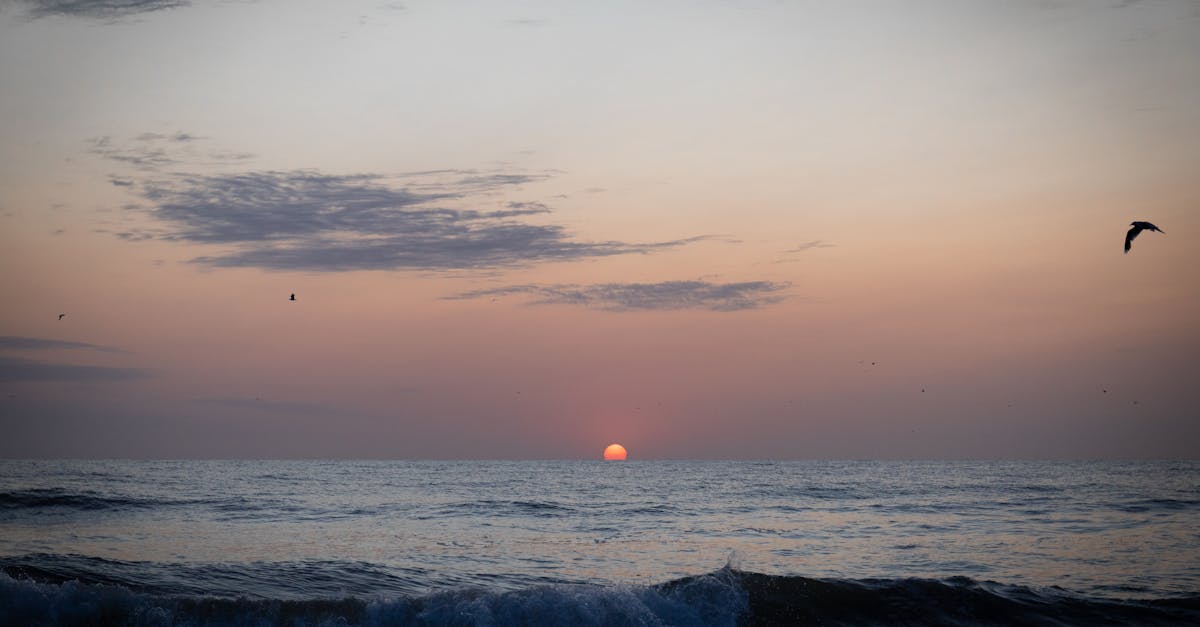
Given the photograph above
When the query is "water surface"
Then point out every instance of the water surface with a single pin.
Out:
(306, 531)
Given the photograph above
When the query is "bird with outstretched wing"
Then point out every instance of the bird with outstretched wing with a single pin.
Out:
(1138, 227)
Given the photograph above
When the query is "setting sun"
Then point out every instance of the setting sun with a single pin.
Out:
(614, 452)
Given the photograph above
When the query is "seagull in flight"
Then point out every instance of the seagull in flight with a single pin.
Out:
(1138, 227)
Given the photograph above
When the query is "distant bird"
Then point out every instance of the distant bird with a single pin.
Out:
(1138, 227)
(293, 297)
(61, 316)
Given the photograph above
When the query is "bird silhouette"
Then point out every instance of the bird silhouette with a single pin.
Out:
(293, 297)
(1138, 227)
(60, 316)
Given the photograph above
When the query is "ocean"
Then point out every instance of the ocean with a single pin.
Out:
(598, 543)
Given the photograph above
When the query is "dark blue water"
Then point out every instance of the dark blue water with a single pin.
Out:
(639, 543)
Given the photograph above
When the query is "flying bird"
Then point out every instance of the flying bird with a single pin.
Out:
(1138, 227)
(293, 297)
(60, 316)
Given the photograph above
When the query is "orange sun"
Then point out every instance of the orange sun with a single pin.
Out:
(614, 452)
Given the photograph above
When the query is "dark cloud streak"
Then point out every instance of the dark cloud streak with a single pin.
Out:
(310, 221)
(15, 369)
(274, 206)
(668, 295)
(99, 9)
(809, 246)
(12, 342)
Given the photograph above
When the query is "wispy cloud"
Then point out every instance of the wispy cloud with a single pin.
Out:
(12, 342)
(816, 243)
(308, 220)
(150, 153)
(174, 137)
(144, 155)
(99, 9)
(14, 369)
(668, 295)
(801, 248)
(282, 206)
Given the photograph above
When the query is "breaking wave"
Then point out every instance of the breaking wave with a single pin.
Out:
(45, 596)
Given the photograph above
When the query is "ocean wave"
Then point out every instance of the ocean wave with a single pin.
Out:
(776, 600)
(702, 601)
(1161, 504)
(64, 501)
(293, 580)
(57, 498)
(726, 597)
(499, 508)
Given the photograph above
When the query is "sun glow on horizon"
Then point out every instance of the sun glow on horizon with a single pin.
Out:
(614, 452)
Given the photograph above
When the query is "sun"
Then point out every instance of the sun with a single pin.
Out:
(614, 452)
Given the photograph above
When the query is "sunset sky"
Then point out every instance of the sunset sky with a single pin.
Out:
(702, 229)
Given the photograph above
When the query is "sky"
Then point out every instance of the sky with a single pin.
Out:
(742, 229)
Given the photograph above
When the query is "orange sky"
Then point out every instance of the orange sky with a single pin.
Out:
(527, 230)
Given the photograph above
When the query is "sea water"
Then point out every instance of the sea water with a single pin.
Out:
(583, 542)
